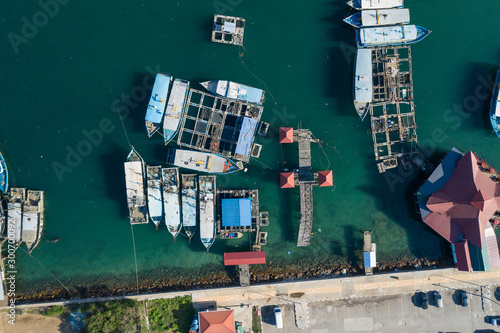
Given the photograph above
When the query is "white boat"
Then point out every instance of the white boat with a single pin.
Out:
(134, 180)
(363, 82)
(157, 103)
(375, 4)
(189, 198)
(175, 109)
(199, 161)
(171, 200)
(495, 106)
(207, 210)
(155, 204)
(379, 17)
(390, 35)
(235, 90)
(33, 213)
(14, 212)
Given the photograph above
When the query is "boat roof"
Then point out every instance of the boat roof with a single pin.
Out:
(134, 179)
(158, 99)
(29, 228)
(200, 161)
(387, 35)
(374, 4)
(246, 136)
(363, 81)
(243, 92)
(175, 105)
(385, 16)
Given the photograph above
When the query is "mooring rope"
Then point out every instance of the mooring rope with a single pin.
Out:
(120, 115)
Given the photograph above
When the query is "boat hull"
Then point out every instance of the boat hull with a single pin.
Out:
(207, 210)
(175, 109)
(201, 161)
(495, 107)
(235, 91)
(390, 36)
(363, 82)
(4, 176)
(375, 4)
(376, 18)
(33, 213)
(171, 200)
(14, 212)
(189, 199)
(134, 180)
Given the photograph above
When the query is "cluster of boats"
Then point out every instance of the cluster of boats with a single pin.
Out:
(179, 199)
(378, 23)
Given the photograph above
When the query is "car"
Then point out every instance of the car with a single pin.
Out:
(495, 321)
(464, 298)
(438, 299)
(424, 301)
(277, 317)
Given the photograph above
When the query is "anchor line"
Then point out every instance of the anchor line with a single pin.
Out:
(120, 115)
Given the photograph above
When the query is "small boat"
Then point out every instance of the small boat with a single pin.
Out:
(207, 210)
(175, 109)
(199, 161)
(2, 219)
(495, 106)
(390, 35)
(235, 90)
(32, 219)
(189, 194)
(14, 212)
(375, 4)
(157, 103)
(134, 179)
(363, 82)
(375, 18)
(155, 204)
(231, 235)
(171, 200)
(4, 177)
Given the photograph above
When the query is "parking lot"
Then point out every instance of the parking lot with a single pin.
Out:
(400, 313)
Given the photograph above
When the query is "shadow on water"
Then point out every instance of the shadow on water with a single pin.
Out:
(138, 101)
(352, 244)
(112, 165)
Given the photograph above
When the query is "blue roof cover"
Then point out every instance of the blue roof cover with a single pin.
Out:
(158, 101)
(237, 212)
(246, 136)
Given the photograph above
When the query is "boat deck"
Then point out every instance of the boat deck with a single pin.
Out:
(155, 203)
(134, 180)
(14, 211)
(171, 200)
(175, 108)
(189, 198)
(390, 35)
(207, 209)
(385, 17)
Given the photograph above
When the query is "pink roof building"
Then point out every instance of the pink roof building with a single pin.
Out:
(287, 180)
(325, 178)
(286, 135)
(216, 321)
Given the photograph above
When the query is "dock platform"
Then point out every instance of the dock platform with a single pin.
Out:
(228, 30)
(369, 250)
(238, 194)
(244, 275)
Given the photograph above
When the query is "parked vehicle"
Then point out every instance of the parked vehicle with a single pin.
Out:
(278, 318)
(495, 321)
(424, 301)
(438, 299)
(465, 298)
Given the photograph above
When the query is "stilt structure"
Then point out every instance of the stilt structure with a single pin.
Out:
(228, 30)
(305, 177)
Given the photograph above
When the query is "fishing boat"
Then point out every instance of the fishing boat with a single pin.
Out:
(171, 200)
(202, 162)
(155, 204)
(14, 212)
(390, 35)
(32, 219)
(4, 177)
(175, 109)
(189, 193)
(495, 107)
(375, 4)
(231, 235)
(157, 103)
(363, 82)
(134, 180)
(207, 210)
(379, 17)
(235, 90)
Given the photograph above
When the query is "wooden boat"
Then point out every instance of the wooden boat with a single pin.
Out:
(14, 212)
(379, 17)
(4, 177)
(33, 213)
(171, 200)
(155, 204)
(189, 199)
(207, 210)
(231, 235)
(134, 179)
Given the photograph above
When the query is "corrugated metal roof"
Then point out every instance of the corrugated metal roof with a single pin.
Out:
(216, 321)
(236, 212)
(246, 136)
(463, 256)
(244, 258)
(491, 243)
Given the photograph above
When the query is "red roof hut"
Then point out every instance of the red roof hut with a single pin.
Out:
(286, 135)
(287, 180)
(325, 178)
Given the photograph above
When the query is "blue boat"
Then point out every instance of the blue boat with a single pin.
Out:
(376, 17)
(495, 106)
(4, 177)
(375, 4)
(157, 103)
(390, 35)
(363, 82)
(235, 90)
(175, 109)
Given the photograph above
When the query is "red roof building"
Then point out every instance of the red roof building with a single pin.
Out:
(325, 178)
(216, 321)
(244, 258)
(463, 256)
(286, 135)
(287, 180)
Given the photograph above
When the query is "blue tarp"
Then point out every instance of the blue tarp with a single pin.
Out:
(237, 212)
(158, 100)
(246, 136)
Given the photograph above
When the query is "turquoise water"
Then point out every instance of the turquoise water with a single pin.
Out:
(64, 79)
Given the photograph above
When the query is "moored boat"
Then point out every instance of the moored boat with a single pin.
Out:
(14, 212)
(175, 109)
(2, 219)
(134, 179)
(155, 204)
(33, 213)
(375, 18)
(207, 210)
(189, 194)
(231, 235)
(390, 35)
(375, 4)
(235, 90)
(4, 176)
(157, 103)
(363, 82)
(495, 106)
(200, 161)
(171, 200)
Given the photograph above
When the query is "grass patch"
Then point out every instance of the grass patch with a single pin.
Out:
(174, 314)
(109, 317)
(256, 323)
(55, 311)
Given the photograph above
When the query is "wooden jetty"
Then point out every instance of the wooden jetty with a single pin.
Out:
(213, 124)
(305, 177)
(369, 250)
(392, 111)
(228, 30)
